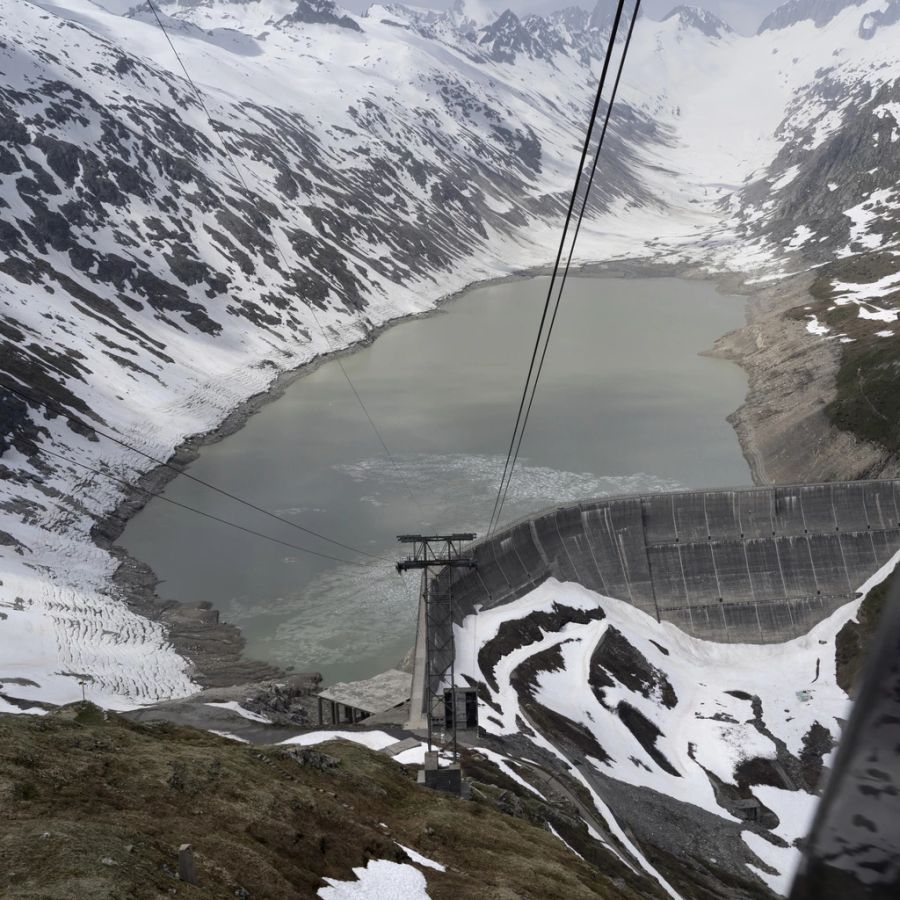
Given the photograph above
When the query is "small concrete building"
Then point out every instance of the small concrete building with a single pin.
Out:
(748, 810)
(357, 700)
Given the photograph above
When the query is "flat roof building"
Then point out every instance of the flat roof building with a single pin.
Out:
(354, 701)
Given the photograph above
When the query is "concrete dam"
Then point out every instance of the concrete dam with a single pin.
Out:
(755, 565)
(748, 565)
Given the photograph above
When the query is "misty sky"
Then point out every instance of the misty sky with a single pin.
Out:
(744, 15)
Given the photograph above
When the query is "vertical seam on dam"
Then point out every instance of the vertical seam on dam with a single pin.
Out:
(758, 565)
(649, 564)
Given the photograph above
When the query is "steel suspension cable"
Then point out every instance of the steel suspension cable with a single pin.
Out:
(59, 409)
(571, 252)
(46, 451)
(573, 199)
(287, 265)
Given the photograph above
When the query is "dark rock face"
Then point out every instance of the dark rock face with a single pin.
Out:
(33, 370)
(547, 38)
(507, 36)
(855, 638)
(16, 428)
(857, 157)
(819, 11)
(870, 24)
(646, 734)
(701, 20)
(616, 658)
(573, 18)
(319, 12)
(314, 759)
(529, 630)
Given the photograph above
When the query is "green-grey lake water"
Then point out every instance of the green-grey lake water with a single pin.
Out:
(625, 404)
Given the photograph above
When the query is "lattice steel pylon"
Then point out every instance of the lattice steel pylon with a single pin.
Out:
(438, 551)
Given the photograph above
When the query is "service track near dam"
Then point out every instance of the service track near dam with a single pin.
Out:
(750, 565)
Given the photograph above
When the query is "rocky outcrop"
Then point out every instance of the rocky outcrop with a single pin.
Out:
(821, 12)
(700, 19)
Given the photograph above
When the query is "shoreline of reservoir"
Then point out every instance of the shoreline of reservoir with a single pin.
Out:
(215, 649)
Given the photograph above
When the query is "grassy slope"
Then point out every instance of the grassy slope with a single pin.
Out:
(96, 806)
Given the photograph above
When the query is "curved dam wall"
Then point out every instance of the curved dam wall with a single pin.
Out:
(753, 565)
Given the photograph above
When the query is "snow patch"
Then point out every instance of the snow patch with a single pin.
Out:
(374, 740)
(502, 763)
(421, 860)
(814, 326)
(783, 859)
(234, 706)
(379, 879)
(229, 736)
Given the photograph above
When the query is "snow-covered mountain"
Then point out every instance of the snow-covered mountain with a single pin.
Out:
(820, 12)
(700, 19)
(155, 271)
(698, 756)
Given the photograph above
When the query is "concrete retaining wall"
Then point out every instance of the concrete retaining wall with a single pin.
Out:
(754, 565)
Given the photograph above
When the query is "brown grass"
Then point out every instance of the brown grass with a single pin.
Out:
(96, 806)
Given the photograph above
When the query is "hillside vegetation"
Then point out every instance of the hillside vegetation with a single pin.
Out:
(97, 806)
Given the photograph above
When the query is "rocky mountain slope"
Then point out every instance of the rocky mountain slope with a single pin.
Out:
(157, 270)
(702, 758)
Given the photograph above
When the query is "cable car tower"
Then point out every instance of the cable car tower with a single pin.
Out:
(438, 552)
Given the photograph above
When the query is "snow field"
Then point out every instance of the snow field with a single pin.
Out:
(712, 727)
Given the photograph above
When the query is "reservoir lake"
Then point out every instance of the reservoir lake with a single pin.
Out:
(625, 404)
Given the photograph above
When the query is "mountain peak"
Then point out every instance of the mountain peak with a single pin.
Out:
(603, 15)
(821, 12)
(470, 15)
(701, 19)
(320, 12)
(572, 18)
(507, 36)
